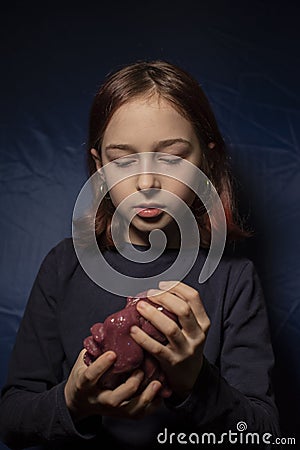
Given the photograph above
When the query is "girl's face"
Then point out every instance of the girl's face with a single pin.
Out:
(140, 126)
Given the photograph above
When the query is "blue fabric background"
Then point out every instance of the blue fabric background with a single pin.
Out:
(245, 55)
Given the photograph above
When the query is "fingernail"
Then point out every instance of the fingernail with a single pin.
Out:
(134, 329)
(138, 373)
(155, 387)
(111, 356)
(142, 305)
(165, 284)
(151, 292)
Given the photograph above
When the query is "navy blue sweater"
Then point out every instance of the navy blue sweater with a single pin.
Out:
(234, 384)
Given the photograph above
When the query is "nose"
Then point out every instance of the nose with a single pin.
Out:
(147, 178)
(147, 181)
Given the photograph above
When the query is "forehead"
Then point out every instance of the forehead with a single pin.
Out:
(143, 119)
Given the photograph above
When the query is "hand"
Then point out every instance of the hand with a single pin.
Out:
(85, 397)
(182, 358)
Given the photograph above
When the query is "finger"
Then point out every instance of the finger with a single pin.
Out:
(177, 306)
(163, 323)
(122, 393)
(192, 297)
(90, 375)
(146, 403)
(80, 365)
(152, 406)
(159, 351)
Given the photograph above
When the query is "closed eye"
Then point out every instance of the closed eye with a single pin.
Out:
(171, 160)
(120, 162)
(128, 161)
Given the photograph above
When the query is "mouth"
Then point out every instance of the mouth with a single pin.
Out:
(150, 210)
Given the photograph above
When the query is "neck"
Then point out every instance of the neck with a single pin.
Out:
(171, 232)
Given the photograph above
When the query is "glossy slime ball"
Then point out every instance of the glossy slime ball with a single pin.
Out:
(114, 334)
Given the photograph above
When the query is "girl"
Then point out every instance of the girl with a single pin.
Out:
(218, 357)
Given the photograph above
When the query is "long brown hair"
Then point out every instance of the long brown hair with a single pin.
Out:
(174, 84)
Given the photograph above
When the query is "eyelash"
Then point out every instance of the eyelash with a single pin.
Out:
(127, 163)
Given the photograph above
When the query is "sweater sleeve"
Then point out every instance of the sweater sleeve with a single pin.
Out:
(33, 409)
(239, 389)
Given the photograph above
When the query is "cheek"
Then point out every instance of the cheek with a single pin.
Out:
(120, 192)
(182, 191)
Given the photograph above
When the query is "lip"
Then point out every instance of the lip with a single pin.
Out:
(148, 211)
(149, 205)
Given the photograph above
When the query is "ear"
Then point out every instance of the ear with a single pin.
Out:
(96, 158)
(98, 162)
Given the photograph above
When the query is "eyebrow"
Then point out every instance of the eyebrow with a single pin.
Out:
(158, 145)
